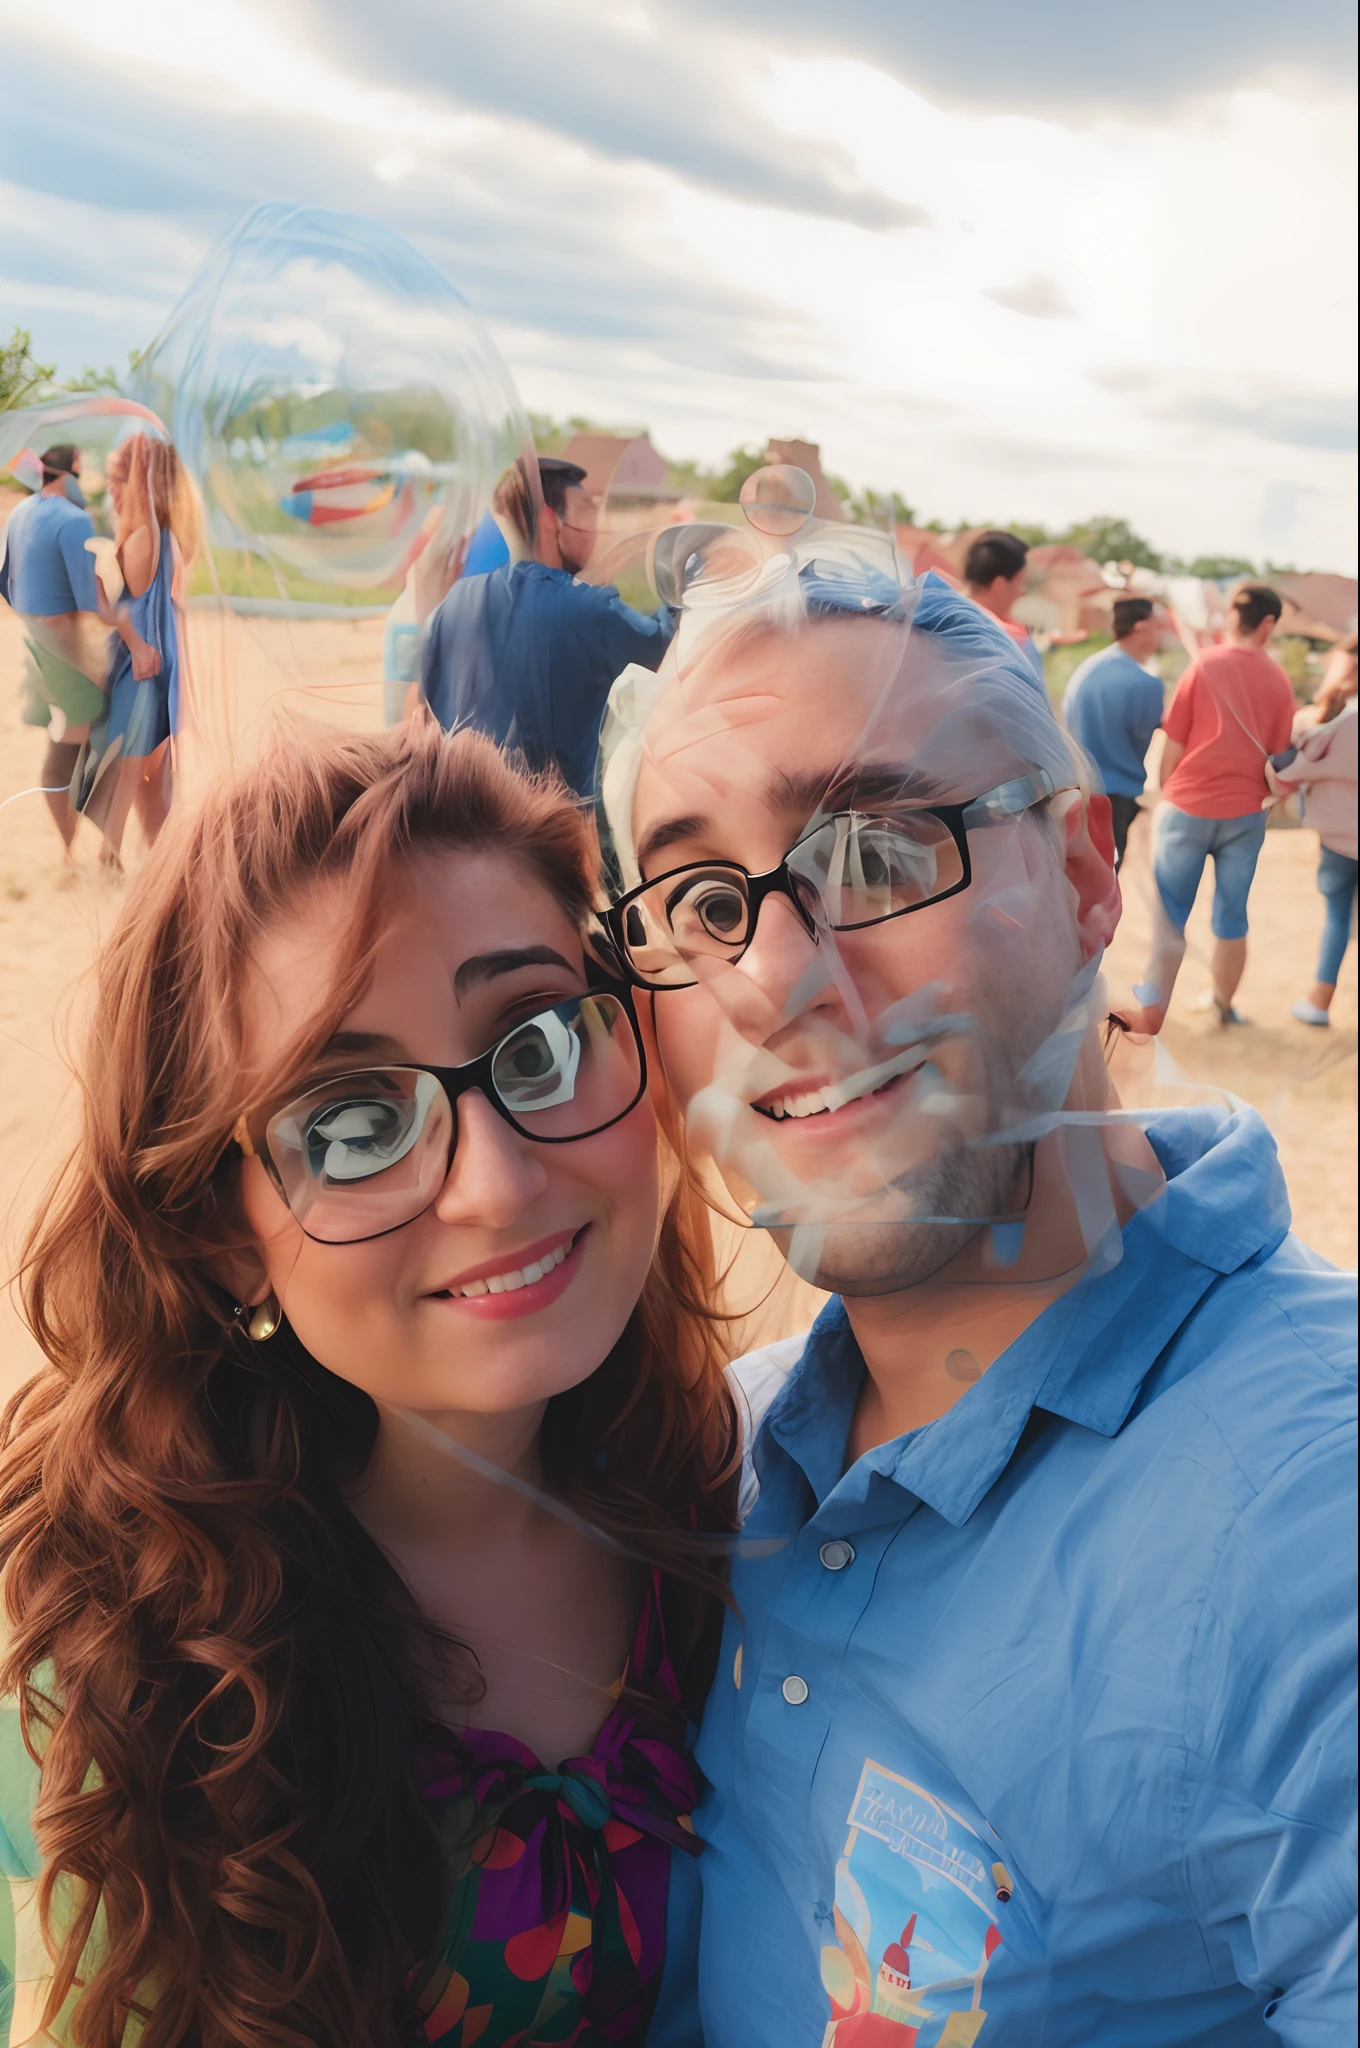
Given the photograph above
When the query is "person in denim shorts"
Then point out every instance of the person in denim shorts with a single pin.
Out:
(1233, 708)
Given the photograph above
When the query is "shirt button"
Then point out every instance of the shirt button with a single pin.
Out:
(837, 1554)
(795, 1691)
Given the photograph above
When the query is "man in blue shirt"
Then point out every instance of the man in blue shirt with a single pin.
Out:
(527, 653)
(1113, 706)
(47, 576)
(1034, 1714)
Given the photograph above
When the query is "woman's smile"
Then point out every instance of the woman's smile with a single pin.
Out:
(518, 1283)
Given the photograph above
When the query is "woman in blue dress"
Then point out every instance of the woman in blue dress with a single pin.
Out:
(126, 761)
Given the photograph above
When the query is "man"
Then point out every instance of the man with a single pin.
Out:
(48, 577)
(1232, 709)
(1034, 1712)
(527, 653)
(995, 572)
(1113, 706)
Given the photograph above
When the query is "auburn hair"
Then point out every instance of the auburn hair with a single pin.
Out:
(218, 1672)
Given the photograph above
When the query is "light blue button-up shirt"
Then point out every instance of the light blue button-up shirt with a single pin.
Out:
(1039, 1728)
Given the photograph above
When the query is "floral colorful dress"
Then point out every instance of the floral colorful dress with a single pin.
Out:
(557, 1933)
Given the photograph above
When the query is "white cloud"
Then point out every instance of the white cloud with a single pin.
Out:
(1151, 316)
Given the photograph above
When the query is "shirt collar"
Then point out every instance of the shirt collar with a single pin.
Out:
(1085, 1358)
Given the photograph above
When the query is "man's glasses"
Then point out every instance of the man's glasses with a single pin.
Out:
(365, 1152)
(852, 870)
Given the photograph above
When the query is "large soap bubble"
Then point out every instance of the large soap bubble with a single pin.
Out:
(339, 402)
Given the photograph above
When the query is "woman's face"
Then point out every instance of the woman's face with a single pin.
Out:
(473, 944)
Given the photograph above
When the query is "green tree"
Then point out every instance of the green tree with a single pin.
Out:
(21, 375)
(1217, 566)
(1292, 654)
(691, 479)
(91, 379)
(725, 488)
(883, 509)
(1106, 539)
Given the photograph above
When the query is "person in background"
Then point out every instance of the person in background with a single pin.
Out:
(126, 759)
(1113, 706)
(1233, 708)
(48, 578)
(526, 653)
(1323, 770)
(428, 581)
(994, 572)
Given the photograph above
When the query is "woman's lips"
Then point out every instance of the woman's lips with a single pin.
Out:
(520, 1301)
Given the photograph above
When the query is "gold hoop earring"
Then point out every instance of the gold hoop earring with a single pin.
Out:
(262, 1321)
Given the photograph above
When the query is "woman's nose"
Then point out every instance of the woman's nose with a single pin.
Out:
(494, 1174)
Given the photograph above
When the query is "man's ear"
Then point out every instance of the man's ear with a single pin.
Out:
(1090, 869)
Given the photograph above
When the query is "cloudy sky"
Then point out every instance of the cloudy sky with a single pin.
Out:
(1018, 264)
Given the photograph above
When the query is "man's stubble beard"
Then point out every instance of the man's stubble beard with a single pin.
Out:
(861, 1257)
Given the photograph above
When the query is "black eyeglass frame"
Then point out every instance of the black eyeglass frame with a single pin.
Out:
(455, 1082)
(995, 807)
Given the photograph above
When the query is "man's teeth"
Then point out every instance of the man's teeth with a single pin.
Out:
(838, 1093)
(522, 1276)
(799, 1105)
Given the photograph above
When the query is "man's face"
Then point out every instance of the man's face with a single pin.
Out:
(577, 529)
(1005, 591)
(852, 1082)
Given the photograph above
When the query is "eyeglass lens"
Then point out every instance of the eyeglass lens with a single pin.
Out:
(852, 870)
(366, 1152)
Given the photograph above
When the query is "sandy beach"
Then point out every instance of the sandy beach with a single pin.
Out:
(52, 918)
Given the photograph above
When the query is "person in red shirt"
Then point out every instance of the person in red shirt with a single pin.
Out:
(1233, 708)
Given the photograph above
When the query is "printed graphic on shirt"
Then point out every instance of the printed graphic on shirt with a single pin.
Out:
(915, 1919)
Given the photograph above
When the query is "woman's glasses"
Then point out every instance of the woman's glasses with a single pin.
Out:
(365, 1152)
(853, 869)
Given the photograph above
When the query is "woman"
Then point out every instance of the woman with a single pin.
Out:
(126, 759)
(1323, 770)
(384, 1457)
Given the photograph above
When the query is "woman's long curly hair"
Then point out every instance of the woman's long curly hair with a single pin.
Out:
(218, 1671)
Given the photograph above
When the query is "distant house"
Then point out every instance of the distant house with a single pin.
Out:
(808, 455)
(925, 549)
(623, 468)
(1067, 595)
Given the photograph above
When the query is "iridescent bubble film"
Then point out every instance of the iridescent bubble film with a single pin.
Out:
(338, 400)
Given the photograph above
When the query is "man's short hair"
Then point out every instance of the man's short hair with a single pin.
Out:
(556, 477)
(994, 554)
(1254, 603)
(1130, 612)
(59, 460)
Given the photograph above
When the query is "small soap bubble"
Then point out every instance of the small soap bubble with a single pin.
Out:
(778, 499)
(961, 1365)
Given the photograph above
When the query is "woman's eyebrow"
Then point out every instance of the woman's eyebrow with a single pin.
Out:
(361, 1044)
(482, 967)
